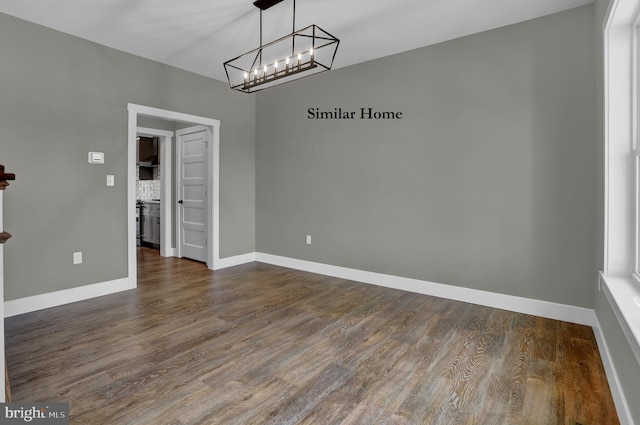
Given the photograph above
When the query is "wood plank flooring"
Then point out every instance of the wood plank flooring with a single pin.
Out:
(260, 344)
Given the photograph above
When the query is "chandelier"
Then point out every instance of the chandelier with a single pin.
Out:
(302, 53)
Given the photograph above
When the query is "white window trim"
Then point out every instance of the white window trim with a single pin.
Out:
(635, 150)
(620, 278)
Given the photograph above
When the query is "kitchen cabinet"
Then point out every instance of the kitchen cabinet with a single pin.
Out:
(150, 229)
(147, 150)
(147, 158)
(155, 224)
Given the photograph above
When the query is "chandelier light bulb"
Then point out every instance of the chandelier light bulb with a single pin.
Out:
(311, 52)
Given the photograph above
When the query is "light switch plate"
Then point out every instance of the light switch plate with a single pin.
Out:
(77, 258)
(111, 181)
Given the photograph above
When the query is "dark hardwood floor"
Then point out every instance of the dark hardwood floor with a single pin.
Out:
(260, 344)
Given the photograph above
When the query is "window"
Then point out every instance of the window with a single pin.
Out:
(636, 229)
(621, 274)
(620, 147)
(635, 152)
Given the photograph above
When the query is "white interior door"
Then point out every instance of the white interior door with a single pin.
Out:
(192, 156)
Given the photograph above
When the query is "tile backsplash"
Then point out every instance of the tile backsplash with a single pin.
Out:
(148, 189)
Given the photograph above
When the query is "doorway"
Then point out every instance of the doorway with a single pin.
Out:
(170, 201)
(166, 180)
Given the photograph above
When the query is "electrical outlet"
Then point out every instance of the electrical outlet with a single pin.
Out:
(77, 258)
(308, 239)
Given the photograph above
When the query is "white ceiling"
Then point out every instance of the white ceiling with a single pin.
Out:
(199, 35)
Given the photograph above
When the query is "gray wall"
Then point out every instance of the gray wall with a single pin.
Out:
(63, 97)
(487, 182)
(626, 365)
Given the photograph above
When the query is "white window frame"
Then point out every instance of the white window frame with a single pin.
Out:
(636, 229)
(620, 278)
(635, 153)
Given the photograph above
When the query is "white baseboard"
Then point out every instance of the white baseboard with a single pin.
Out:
(66, 296)
(547, 309)
(624, 414)
(236, 260)
(567, 313)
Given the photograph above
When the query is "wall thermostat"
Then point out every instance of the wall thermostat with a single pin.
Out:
(96, 157)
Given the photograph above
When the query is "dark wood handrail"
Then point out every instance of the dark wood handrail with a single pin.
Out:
(5, 177)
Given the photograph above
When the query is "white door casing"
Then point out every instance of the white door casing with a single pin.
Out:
(213, 221)
(192, 171)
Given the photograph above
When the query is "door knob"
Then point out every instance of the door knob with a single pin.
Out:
(180, 201)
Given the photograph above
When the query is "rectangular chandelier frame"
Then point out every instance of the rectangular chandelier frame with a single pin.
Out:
(302, 53)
